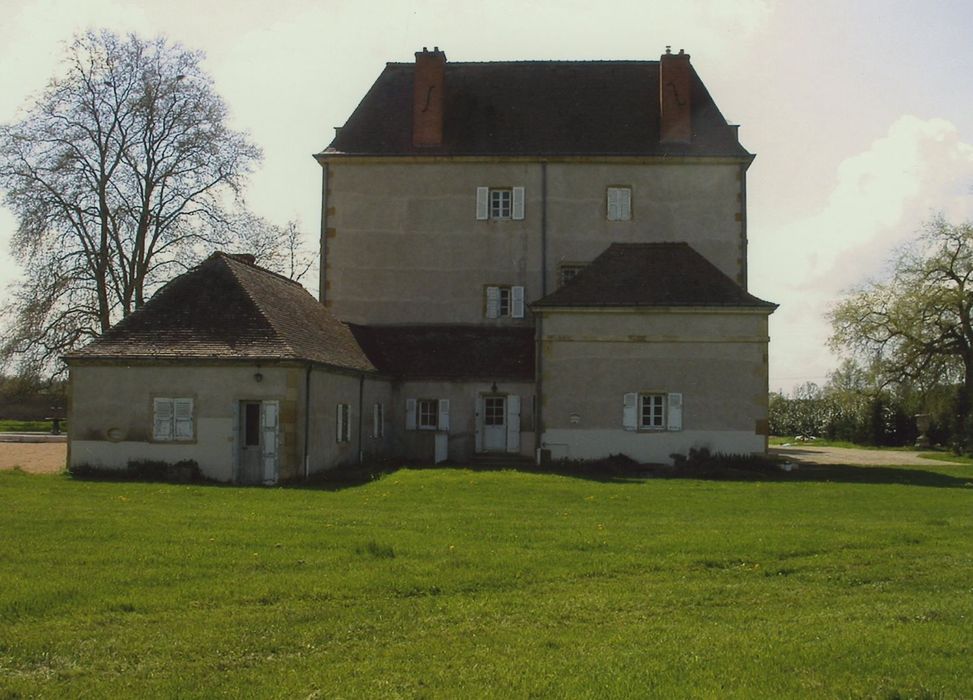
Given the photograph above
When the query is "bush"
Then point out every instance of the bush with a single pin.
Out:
(183, 472)
(703, 464)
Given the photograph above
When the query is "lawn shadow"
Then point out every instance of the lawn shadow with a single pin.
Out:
(903, 476)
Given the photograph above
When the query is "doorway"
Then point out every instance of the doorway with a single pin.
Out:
(257, 462)
(494, 423)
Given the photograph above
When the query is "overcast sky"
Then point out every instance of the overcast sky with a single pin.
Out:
(860, 113)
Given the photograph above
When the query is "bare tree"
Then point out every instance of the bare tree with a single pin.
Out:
(120, 174)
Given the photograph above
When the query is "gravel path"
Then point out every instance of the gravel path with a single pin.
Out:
(845, 455)
(34, 457)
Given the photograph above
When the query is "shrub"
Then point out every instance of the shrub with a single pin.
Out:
(182, 472)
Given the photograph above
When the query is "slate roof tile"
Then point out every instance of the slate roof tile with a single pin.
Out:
(450, 351)
(536, 108)
(228, 308)
(651, 274)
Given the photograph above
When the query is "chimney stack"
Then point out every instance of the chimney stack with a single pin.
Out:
(427, 101)
(675, 98)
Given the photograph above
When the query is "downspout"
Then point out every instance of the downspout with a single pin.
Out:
(544, 228)
(307, 421)
(539, 325)
(743, 225)
(361, 417)
(323, 258)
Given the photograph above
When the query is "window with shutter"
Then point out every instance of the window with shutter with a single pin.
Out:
(652, 410)
(173, 419)
(619, 203)
(427, 413)
(503, 302)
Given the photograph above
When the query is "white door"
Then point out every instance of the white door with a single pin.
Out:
(268, 440)
(442, 448)
(494, 423)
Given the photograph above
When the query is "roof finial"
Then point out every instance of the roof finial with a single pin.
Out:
(668, 48)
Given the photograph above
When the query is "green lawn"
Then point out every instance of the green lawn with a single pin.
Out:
(454, 583)
(28, 426)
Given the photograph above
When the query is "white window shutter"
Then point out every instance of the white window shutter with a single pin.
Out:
(444, 414)
(410, 414)
(517, 303)
(518, 203)
(162, 419)
(613, 204)
(482, 203)
(513, 423)
(630, 411)
(675, 412)
(624, 203)
(268, 410)
(183, 412)
(492, 302)
(478, 418)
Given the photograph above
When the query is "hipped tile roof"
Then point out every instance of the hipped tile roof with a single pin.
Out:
(450, 351)
(651, 274)
(536, 108)
(227, 308)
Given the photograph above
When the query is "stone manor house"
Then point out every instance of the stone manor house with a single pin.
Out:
(519, 260)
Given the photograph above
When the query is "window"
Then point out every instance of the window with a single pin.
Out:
(500, 203)
(619, 203)
(428, 420)
(427, 414)
(568, 271)
(652, 412)
(343, 428)
(493, 410)
(172, 420)
(503, 302)
(378, 420)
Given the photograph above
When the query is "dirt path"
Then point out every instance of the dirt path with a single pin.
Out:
(850, 456)
(34, 457)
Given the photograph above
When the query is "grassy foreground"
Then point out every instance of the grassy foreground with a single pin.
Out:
(452, 583)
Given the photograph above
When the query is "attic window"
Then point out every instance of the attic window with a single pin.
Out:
(569, 271)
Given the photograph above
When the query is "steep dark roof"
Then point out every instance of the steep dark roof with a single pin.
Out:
(535, 108)
(450, 352)
(651, 274)
(227, 308)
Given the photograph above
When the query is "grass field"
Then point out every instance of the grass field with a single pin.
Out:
(454, 583)
(28, 426)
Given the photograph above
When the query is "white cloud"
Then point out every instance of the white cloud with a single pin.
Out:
(880, 199)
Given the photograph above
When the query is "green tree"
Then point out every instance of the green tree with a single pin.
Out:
(120, 174)
(915, 326)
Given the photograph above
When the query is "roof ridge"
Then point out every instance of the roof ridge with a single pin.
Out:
(235, 257)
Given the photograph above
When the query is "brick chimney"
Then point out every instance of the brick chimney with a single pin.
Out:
(427, 101)
(675, 98)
